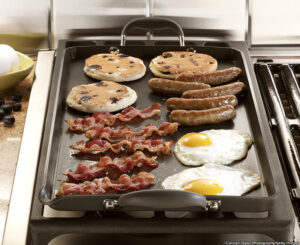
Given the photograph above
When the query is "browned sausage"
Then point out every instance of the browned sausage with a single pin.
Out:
(228, 89)
(200, 104)
(171, 87)
(213, 78)
(196, 118)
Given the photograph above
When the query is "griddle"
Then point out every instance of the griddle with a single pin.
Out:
(68, 72)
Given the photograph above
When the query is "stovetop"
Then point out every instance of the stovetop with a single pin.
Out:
(41, 215)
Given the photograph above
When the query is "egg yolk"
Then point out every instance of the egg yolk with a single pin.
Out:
(203, 187)
(195, 139)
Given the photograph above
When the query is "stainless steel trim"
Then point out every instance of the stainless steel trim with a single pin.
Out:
(284, 128)
(50, 25)
(248, 22)
(20, 204)
(149, 8)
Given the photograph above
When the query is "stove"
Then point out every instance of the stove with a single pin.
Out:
(277, 75)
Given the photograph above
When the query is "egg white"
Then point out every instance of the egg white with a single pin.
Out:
(235, 182)
(9, 60)
(227, 146)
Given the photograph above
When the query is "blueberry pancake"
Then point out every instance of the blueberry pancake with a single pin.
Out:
(104, 96)
(172, 63)
(114, 67)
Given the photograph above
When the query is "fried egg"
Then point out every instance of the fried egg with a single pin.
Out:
(9, 60)
(213, 179)
(212, 146)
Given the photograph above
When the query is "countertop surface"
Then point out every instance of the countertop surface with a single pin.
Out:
(10, 141)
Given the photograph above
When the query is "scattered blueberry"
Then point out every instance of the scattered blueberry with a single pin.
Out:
(17, 106)
(2, 114)
(2, 101)
(9, 121)
(7, 108)
(17, 96)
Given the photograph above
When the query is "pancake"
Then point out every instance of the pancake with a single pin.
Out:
(114, 67)
(104, 96)
(170, 64)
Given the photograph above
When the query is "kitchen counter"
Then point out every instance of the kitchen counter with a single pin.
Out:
(10, 141)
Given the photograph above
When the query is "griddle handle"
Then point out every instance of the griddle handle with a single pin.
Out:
(153, 23)
(163, 200)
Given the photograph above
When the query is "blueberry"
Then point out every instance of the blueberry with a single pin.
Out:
(17, 106)
(17, 96)
(2, 114)
(2, 101)
(9, 121)
(7, 108)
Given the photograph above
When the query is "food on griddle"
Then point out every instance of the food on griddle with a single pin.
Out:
(114, 67)
(201, 117)
(140, 181)
(102, 118)
(86, 171)
(8, 121)
(171, 87)
(200, 104)
(213, 78)
(213, 179)
(228, 89)
(171, 63)
(122, 132)
(151, 145)
(212, 146)
(104, 96)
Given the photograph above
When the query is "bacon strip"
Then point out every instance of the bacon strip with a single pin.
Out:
(100, 186)
(122, 132)
(85, 172)
(153, 146)
(105, 118)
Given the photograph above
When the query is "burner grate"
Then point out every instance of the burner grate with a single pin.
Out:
(279, 84)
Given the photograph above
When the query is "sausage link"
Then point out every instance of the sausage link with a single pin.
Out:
(171, 87)
(229, 89)
(196, 118)
(213, 78)
(200, 104)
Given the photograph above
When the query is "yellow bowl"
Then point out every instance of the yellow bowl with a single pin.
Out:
(11, 79)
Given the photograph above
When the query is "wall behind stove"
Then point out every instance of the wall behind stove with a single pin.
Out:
(24, 23)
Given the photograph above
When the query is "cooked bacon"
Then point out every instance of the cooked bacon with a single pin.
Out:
(85, 172)
(153, 146)
(105, 118)
(101, 186)
(122, 132)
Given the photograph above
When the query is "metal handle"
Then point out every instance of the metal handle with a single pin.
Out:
(153, 23)
(162, 200)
